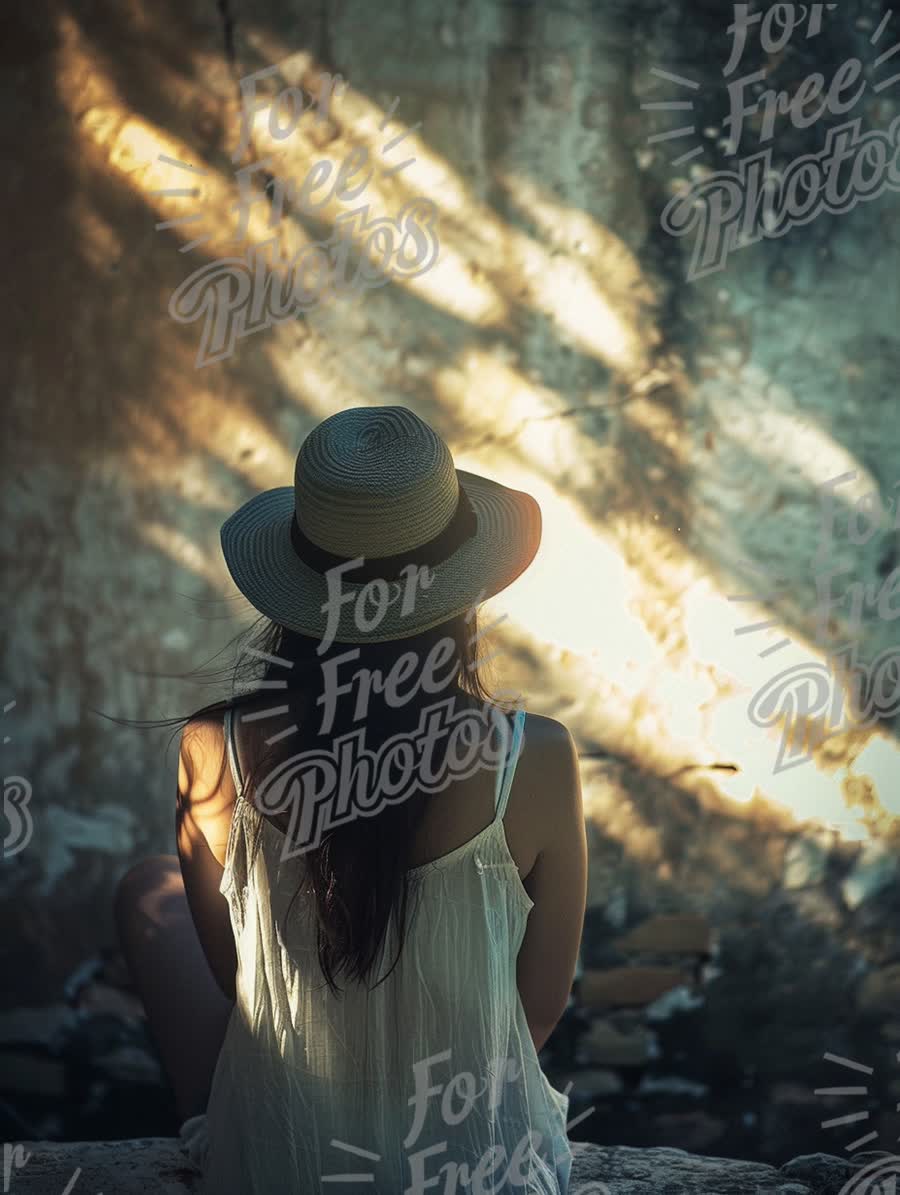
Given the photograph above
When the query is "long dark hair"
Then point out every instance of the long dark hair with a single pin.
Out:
(357, 872)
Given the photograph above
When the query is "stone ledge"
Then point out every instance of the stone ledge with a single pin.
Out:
(157, 1165)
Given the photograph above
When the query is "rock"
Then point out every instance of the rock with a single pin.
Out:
(671, 1085)
(879, 992)
(604, 1043)
(694, 1130)
(876, 868)
(822, 1173)
(139, 1167)
(628, 986)
(669, 935)
(680, 999)
(626, 1171)
(590, 1082)
(805, 861)
(157, 1166)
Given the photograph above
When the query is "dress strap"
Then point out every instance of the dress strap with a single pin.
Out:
(505, 780)
(232, 752)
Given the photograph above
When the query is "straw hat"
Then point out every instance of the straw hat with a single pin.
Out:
(378, 483)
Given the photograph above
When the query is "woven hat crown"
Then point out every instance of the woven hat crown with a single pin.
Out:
(374, 481)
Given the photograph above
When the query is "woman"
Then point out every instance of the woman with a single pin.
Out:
(373, 923)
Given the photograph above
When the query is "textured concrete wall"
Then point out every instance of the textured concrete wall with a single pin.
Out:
(674, 431)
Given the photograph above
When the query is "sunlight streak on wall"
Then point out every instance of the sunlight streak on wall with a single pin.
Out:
(590, 285)
(622, 605)
(807, 790)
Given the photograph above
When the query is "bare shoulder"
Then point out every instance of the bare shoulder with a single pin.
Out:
(547, 743)
(547, 774)
(540, 724)
(205, 788)
(202, 749)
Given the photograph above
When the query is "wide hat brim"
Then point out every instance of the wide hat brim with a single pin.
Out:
(256, 544)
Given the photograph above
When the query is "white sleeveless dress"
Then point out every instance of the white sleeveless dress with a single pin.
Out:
(428, 1083)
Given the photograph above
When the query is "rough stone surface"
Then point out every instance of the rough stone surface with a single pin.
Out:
(805, 861)
(606, 1044)
(875, 869)
(879, 992)
(157, 1165)
(627, 986)
(669, 935)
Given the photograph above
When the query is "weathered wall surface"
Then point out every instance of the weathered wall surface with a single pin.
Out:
(674, 431)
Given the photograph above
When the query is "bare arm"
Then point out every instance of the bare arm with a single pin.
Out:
(202, 823)
(558, 886)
